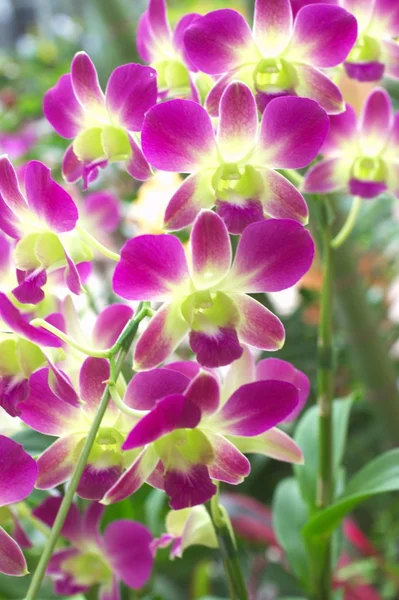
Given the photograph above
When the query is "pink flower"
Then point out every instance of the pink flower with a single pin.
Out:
(236, 167)
(279, 56)
(212, 303)
(121, 554)
(18, 475)
(102, 126)
(360, 155)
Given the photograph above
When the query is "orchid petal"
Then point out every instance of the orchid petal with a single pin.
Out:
(390, 56)
(93, 378)
(178, 37)
(375, 122)
(9, 187)
(178, 136)
(62, 109)
(342, 134)
(271, 256)
(57, 463)
(12, 561)
(103, 208)
(110, 323)
(189, 488)
(97, 480)
(151, 267)
(195, 192)
(281, 199)
(327, 176)
(238, 122)
(137, 165)
(134, 477)
(211, 250)
(146, 388)
(203, 391)
(85, 83)
(274, 443)
(272, 25)
(47, 512)
(110, 591)
(18, 472)
(258, 326)
(240, 372)
(216, 348)
(157, 15)
(229, 464)
(314, 84)
(91, 521)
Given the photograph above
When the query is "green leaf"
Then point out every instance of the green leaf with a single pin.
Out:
(379, 476)
(306, 436)
(33, 442)
(290, 514)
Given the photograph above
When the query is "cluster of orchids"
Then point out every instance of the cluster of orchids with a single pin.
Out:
(237, 111)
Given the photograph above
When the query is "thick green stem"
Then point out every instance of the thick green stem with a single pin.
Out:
(325, 381)
(228, 550)
(122, 345)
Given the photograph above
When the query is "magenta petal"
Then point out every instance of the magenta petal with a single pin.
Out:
(104, 209)
(72, 167)
(165, 331)
(212, 101)
(18, 472)
(238, 124)
(146, 388)
(314, 84)
(366, 189)
(387, 11)
(71, 275)
(43, 410)
(256, 407)
(96, 481)
(229, 464)
(12, 561)
(237, 217)
(216, 349)
(292, 132)
(151, 266)
(55, 563)
(327, 176)
(178, 37)
(110, 323)
(131, 92)
(272, 25)
(194, 193)
(48, 199)
(189, 488)
(29, 290)
(134, 477)
(91, 521)
(16, 321)
(61, 385)
(376, 120)
(281, 199)
(343, 129)
(158, 18)
(390, 55)
(127, 548)
(281, 370)
(12, 393)
(47, 512)
(188, 368)
(110, 591)
(62, 109)
(365, 71)
(145, 39)
(137, 165)
(219, 41)
(177, 136)
(274, 443)
(9, 187)
(204, 392)
(271, 256)
(258, 327)
(85, 82)
(211, 250)
(57, 463)
(169, 413)
(93, 378)
(323, 35)
(9, 222)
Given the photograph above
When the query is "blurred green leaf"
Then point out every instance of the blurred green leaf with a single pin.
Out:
(33, 442)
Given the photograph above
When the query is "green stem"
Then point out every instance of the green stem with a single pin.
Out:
(70, 341)
(325, 381)
(349, 224)
(228, 550)
(123, 344)
(89, 239)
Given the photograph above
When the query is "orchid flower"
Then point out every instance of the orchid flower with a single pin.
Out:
(195, 431)
(234, 168)
(102, 126)
(211, 302)
(68, 415)
(360, 156)
(101, 212)
(22, 352)
(18, 475)
(280, 56)
(376, 52)
(43, 224)
(121, 554)
(164, 50)
(187, 527)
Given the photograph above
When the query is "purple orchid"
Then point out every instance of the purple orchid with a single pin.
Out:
(18, 475)
(360, 155)
(121, 554)
(103, 127)
(42, 222)
(66, 414)
(212, 303)
(234, 168)
(280, 56)
(376, 52)
(164, 50)
(195, 431)
(22, 352)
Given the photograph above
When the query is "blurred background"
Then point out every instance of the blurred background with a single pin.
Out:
(38, 39)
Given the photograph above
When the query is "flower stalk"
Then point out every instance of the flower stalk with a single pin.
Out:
(121, 348)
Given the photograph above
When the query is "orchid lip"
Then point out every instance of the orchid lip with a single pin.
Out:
(272, 74)
(369, 169)
(366, 49)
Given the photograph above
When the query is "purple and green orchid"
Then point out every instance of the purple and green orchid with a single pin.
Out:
(18, 475)
(43, 222)
(103, 127)
(234, 168)
(121, 554)
(164, 50)
(360, 155)
(211, 302)
(280, 56)
(195, 430)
